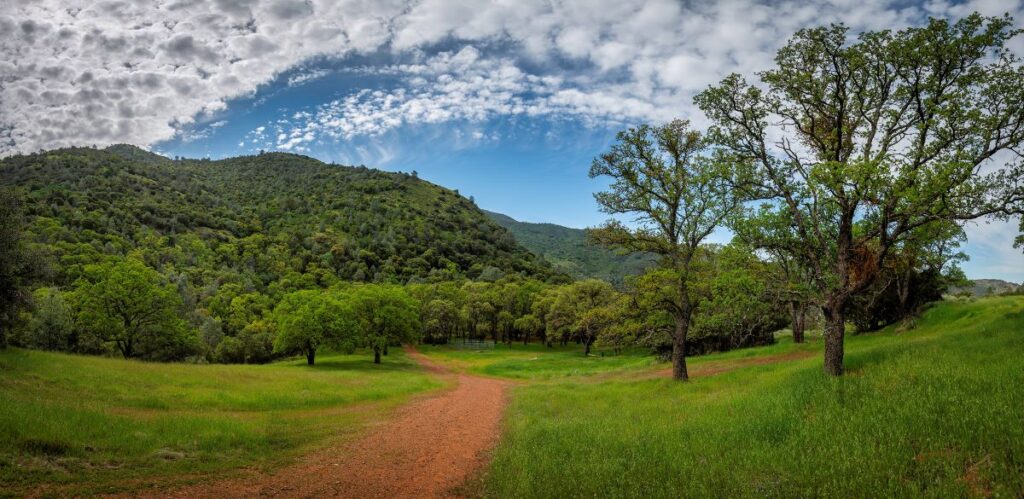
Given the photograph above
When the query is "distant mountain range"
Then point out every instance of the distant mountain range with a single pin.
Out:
(985, 287)
(568, 250)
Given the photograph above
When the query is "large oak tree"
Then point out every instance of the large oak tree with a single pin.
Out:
(854, 144)
(665, 178)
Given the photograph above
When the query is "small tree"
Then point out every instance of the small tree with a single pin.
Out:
(383, 314)
(309, 319)
(529, 325)
(128, 304)
(853, 145)
(678, 196)
(583, 311)
(51, 324)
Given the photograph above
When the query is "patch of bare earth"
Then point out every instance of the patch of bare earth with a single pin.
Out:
(429, 448)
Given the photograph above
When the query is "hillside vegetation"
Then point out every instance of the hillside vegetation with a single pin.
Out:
(569, 251)
(255, 220)
(985, 287)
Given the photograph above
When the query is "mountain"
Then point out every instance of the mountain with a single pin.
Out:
(985, 287)
(256, 221)
(568, 250)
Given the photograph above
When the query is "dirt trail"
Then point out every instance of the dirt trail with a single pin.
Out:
(425, 450)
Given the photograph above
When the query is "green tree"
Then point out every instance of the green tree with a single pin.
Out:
(664, 178)
(51, 325)
(130, 305)
(383, 314)
(15, 264)
(307, 320)
(529, 325)
(583, 310)
(854, 144)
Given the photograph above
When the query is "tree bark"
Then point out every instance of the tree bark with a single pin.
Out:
(376, 355)
(798, 312)
(835, 330)
(310, 357)
(679, 350)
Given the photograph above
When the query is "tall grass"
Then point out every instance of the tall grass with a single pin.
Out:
(91, 423)
(935, 411)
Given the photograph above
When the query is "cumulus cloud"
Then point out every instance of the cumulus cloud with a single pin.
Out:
(140, 72)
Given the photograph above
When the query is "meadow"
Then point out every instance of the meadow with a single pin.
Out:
(933, 410)
(82, 424)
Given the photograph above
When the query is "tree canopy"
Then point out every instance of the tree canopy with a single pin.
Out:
(665, 178)
(855, 144)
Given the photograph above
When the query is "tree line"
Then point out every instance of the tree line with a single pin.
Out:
(845, 173)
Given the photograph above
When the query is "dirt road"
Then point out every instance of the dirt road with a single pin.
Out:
(427, 449)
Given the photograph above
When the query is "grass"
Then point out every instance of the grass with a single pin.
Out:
(936, 411)
(85, 424)
(536, 361)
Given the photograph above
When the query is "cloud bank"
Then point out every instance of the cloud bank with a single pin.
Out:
(75, 73)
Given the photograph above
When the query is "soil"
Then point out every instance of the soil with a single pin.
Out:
(428, 448)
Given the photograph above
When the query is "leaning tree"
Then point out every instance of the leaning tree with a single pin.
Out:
(854, 144)
(665, 178)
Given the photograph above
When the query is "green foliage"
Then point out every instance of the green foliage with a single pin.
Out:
(853, 145)
(128, 304)
(16, 263)
(51, 325)
(235, 236)
(383, 315)
(308, 320)
(570, 252)
(666, 178)
(583, 311)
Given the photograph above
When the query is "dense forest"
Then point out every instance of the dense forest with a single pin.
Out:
(569, 251)
(232, 237)
(256, 221)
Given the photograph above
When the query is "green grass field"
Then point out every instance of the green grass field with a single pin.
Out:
(935, 411)
(535, 361)
(87, 424)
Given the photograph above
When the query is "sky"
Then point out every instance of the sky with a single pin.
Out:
(507, 101)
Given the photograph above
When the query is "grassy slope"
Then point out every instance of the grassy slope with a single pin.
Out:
(935, 411)
(91, 423)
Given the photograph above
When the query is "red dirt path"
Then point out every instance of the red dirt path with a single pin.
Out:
(427, 449)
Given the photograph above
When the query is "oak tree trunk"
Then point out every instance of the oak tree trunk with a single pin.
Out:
(376, 355)
(835, 330)
(679, 350)
(310, 357)
(798, 312)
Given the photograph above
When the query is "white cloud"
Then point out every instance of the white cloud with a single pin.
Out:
(140, 72)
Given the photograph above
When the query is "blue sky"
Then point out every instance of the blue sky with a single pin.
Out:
(505, 101)
(533, 169)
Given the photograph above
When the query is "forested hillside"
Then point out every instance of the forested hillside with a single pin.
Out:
(568, 251)
(256, 220)
(206, 249)
(985, 287)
